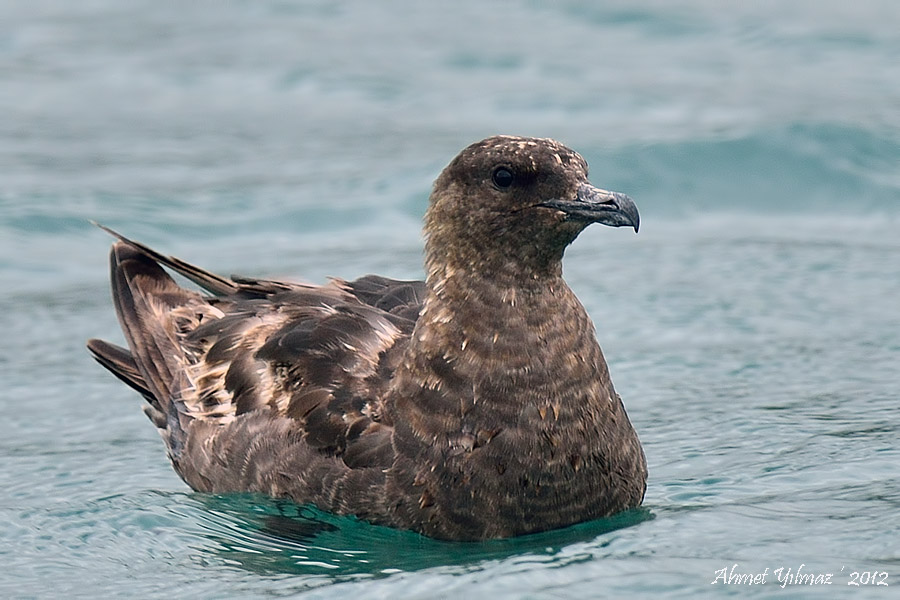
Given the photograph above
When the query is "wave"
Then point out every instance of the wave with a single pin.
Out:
(797, 168)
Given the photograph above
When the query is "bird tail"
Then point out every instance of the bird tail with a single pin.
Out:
(153, 311)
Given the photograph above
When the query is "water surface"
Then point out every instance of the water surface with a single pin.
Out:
(752, 327)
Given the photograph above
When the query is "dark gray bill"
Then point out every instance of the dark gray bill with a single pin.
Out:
(599, 206)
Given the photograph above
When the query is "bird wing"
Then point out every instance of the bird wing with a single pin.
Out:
(321, 357)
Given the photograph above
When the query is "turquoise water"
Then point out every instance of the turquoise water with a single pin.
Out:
(752, 327)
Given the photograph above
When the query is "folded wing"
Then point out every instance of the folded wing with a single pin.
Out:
(315, 359)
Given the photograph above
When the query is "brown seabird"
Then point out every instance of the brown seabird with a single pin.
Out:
(476, 404)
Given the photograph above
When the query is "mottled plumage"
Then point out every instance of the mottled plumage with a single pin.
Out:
(475, 404)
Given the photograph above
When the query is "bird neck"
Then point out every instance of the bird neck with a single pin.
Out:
(487, 346)
(518, 254)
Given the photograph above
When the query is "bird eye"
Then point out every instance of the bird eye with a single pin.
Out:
(502, 177)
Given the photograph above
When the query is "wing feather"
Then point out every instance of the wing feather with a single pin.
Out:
(317, 359)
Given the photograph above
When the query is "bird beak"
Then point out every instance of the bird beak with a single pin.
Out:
(599, 206)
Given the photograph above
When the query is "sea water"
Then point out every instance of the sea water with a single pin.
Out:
(752, 327)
